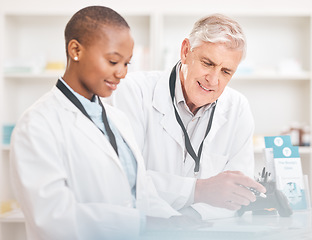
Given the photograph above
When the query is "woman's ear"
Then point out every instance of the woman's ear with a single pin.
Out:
(185, 49)
(74, 50)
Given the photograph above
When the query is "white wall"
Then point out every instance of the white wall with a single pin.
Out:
(138, 5)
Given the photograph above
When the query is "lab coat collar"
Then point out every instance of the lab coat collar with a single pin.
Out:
(162, 103)
(87, 127)
(220, 117)
(131, 141)
(122, 128)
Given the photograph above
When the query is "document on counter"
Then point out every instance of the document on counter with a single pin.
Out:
(276, 142)
(289, 177)
(287, 169)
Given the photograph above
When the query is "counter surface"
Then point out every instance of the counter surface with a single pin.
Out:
(249, 226)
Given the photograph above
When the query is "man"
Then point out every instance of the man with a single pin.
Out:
(195, 133)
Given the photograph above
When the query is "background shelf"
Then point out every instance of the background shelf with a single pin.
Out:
(275, 76)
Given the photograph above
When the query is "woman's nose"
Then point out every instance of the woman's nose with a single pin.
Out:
(121, 72)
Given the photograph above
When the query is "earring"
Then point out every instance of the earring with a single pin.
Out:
(76, 58)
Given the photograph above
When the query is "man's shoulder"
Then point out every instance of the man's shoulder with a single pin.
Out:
(144, 79)
(233, 95)
(144, 74)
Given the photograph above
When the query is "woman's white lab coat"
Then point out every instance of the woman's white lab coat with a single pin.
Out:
(69, 180)
(145, 98)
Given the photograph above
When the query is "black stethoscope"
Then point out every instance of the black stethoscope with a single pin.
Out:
(187, 141)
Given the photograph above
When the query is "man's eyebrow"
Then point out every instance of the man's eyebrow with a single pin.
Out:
(209, 60)
(213, 63)
(228, 70)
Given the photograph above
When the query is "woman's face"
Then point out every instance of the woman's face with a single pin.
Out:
(104, 62)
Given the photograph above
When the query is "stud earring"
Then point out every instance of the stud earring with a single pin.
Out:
(76, 58)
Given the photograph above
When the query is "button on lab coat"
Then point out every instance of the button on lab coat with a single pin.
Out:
(145, 98)
(69, 180)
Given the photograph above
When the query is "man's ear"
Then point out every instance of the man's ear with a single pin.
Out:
(74, 50)
(185, 49)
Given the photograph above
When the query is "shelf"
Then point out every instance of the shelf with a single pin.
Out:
(158, 31)
(5, 147)
(15, 216)
(302, 150)
(303, 76)
(43, 75)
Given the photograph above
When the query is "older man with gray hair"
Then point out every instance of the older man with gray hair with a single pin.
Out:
(194, 131)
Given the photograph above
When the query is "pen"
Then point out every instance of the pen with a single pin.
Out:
(257, 193)
(265, 177)
(263, 173)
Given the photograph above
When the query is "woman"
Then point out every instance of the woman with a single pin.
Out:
(76, 169)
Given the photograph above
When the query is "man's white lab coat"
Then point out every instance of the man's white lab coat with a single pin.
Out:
(145, 98)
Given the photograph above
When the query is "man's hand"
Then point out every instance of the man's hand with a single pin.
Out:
(227, 190)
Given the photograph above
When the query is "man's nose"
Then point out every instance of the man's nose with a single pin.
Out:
(213, 77)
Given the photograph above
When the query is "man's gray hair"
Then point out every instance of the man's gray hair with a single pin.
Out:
(218, 28)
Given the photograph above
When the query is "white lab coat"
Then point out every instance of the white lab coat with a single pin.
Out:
(145, 98)
(69, 180)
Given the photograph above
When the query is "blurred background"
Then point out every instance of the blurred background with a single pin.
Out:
(275, 76)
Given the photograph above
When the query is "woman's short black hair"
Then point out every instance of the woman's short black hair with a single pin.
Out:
(85, 25)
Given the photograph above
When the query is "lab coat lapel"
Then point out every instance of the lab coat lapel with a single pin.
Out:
(127, 134)
(163, 103)
(88, 128)
(220, 118)
(91, 131)
(123, 130)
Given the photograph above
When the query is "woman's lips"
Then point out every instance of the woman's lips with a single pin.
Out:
(111, 85)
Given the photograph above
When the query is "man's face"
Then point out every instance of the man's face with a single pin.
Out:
(205, 72)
